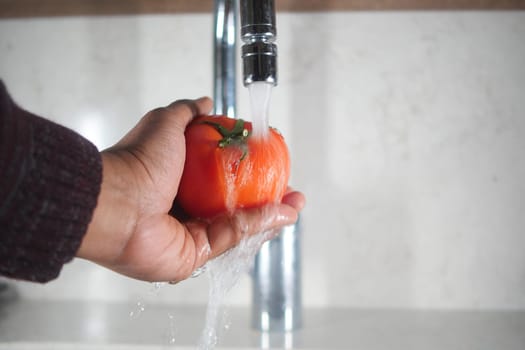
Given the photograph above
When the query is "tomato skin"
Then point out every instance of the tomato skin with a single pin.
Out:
(218, 180)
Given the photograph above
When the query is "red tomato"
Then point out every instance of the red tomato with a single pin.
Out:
(227, 168)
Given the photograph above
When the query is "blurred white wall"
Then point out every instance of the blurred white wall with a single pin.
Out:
(407, 133)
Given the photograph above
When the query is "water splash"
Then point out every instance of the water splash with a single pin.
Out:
(224, 272)
(230, 166)
(260, 94)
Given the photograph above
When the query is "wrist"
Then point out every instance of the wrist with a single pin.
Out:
(115, 215)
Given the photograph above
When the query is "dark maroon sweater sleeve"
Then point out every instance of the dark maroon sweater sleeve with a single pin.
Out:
(49, 184)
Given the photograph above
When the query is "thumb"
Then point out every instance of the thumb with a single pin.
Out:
(165, 122)
(186, 110)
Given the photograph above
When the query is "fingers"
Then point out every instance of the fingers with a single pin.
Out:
(186, 110)
(166, 122)
(294, 199)
(199, 106)
(226, 232)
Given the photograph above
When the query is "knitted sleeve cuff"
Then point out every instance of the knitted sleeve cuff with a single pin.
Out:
(49, 186)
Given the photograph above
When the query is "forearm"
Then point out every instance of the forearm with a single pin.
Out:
(48, 191)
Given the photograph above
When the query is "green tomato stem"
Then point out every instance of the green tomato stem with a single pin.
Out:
(237, 136)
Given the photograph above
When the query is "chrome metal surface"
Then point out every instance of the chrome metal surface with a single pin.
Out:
(258, 31)
(258, 20)
(224, 53)
(259, 61)
(277, 302)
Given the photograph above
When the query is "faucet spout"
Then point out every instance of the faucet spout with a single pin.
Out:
(258, 32)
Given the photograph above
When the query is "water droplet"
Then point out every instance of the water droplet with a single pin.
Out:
(171, 330)
(157, 286)
(199, 271)
(137, 311)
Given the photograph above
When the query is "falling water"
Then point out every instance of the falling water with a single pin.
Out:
(224, 273)
(260, 93)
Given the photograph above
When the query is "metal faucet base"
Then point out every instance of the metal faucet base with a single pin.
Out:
(277, 304)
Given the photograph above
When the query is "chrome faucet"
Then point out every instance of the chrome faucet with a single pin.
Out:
(277, 304)
(258, 32)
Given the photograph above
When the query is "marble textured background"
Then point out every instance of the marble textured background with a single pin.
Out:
(407, 134)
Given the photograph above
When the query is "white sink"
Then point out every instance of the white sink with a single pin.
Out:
(77, 346)
(66, 325)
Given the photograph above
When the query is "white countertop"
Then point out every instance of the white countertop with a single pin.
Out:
(88, 325)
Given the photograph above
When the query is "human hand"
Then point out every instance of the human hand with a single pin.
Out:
(132, 232)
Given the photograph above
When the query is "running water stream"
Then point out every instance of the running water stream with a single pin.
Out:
(260, 94)
(225, 271)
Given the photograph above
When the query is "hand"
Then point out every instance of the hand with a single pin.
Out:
(132, 232)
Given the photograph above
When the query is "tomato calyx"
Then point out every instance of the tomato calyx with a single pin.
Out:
(237, 136)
